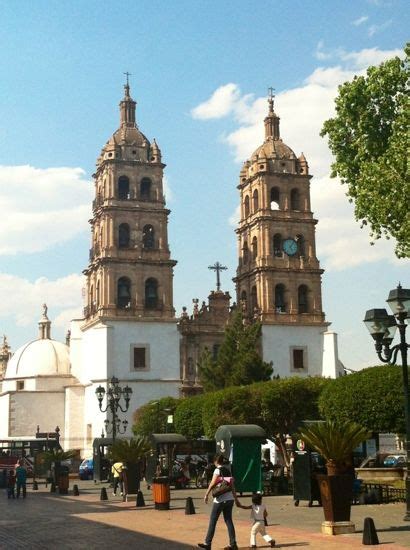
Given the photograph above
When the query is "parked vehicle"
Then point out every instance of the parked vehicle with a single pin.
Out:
(86, 469)
(394, 461)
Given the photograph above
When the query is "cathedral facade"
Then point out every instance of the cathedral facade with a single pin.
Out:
(129, 329)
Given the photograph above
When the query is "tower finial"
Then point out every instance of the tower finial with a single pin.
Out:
(271, 120)
(271, 97)
(127, 85)
(127, 106)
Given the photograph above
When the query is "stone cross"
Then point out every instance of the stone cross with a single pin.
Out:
(127, 74)
(218, 268)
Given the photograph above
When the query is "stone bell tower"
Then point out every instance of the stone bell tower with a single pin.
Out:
(278, 277)
(130, 273)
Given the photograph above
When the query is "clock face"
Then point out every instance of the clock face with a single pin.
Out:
(290, 247)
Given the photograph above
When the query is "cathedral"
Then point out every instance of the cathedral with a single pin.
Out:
(129, 328)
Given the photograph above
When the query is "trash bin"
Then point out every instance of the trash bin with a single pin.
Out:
(161, 493)
(62, 479)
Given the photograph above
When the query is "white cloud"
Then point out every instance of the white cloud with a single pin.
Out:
(219, 104)
(360, 20)
(21, 299)
(341, 242)
(169, 195)
(41, 207)
(373, 29)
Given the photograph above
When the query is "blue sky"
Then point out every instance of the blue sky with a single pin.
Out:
(200, 71)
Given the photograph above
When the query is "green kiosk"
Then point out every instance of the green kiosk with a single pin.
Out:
(241, 445)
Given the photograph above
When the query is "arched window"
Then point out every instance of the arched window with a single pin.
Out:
(274, 198)
(277, 245)
(255, 197)
(148, 237)
(243, 296)
(246, 206)
(303, 299)
(254, 248)
(245, 253)
(145, 189)
(123, 188)
(151, 293)
(280, 305)
(97, 293)
(124, 235)
(300, 239)
(124, 293)
(294, 199)
(254, 298)
(91, 295)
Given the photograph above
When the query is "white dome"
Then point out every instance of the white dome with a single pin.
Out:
(42, 357)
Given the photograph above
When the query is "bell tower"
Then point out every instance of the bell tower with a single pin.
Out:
(278, 278)
(130, 273)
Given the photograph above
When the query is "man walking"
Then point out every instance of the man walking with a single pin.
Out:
(21, 479)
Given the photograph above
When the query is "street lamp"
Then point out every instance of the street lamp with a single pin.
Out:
(114, 393)
(382, 328)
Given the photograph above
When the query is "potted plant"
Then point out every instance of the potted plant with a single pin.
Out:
(131, 452)
(336, 443)
(52, 461)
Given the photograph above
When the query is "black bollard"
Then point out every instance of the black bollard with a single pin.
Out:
(35, 485)
(369, 532)
(52, 487)
(76, 492)
(189, 507)
(103, 495)
(140, 502)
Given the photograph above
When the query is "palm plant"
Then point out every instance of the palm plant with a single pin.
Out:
(335, 442)
(56, 455)
(129, 450)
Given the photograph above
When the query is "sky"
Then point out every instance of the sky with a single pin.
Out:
(199, 73)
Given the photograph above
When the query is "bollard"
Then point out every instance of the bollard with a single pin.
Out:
(76, 492)
(189, 507)
(140, 500)
(35, 485)
(103, 495)
(52, 487)
(369, 532)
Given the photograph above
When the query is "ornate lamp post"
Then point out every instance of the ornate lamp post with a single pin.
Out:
(114, 395)
(382, 328)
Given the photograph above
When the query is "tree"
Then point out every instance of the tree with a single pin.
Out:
(188, 417)
(238, 361)
(369, 140)
(152, 417)
(372, 397)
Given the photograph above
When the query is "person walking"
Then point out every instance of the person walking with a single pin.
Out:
(11, 483)
(21, 479)
(116, 471)
(259, 515)
(223, 490)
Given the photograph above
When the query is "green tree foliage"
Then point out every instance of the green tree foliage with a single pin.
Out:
(129, 450)
(152, 417)
(369, 140)
(372, 397)
(56, 455)
(238, 362)
(188, 417)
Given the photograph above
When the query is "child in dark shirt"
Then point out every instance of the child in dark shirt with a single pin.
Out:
(11, 483)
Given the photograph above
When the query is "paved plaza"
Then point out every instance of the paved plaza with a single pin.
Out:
(47, 521)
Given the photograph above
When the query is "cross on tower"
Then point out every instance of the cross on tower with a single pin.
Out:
(218, 268)
(271, 95)
(127, 74)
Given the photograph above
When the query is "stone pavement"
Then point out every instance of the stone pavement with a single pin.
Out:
(49, 521)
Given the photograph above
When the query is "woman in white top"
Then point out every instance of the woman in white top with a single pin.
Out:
(222, 504)
(259, 515)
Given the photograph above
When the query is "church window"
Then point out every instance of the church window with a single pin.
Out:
(243, 296)
(255, 200)
(134, 152)
(123, 188)
(246, 206)
(254, 248)
(294, 199)
(20, 385)
(280, 306)
(124, 235)
(124, 293)
(145, 189)
(151, 293)
(303, 299)
(245, 253)
(254, 298)
(274, 198)
(215, 351)
(140, 358)
(277, 245)
(97, 293)
(148, 237)
(301, 244)
(298, 359)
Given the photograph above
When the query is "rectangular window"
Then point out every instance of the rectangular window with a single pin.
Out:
(139, 359)
(20, 385)
(298, 359)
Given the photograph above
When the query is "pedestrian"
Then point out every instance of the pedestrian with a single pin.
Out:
(21, 479)
(116, 471)
(222, 488)
(258, 515)
(11, 483)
